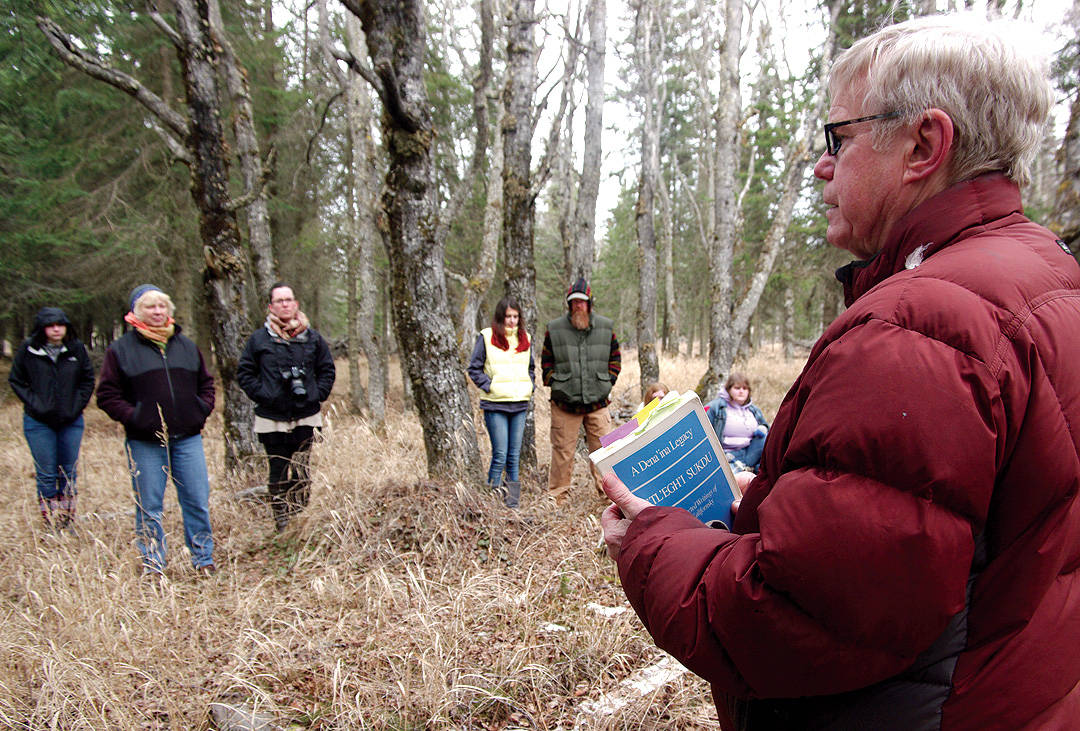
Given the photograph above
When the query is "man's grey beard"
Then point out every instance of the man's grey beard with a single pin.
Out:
(580, 319)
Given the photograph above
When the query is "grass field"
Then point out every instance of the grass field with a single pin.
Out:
(396, 602)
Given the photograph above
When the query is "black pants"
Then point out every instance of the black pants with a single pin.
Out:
(289, 483)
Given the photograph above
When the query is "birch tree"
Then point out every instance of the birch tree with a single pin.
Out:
(1065, 219)
(648, 58)
(362, 203)
(583, 251)
(396, 37)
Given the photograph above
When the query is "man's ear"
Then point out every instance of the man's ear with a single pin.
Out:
(931, 149)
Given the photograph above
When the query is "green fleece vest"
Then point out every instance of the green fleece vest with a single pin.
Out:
(580, 375)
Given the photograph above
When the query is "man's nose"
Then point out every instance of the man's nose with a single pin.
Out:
(823, 170)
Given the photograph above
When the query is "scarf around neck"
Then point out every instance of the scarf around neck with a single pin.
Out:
(287, 330)
(157, 335)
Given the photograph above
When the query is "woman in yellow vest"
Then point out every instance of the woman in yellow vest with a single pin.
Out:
(502, 367)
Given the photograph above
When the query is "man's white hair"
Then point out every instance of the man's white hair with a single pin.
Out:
(994, 87)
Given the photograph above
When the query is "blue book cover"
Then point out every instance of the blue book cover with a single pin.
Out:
(675, 459)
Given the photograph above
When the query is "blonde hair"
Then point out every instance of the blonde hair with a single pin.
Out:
(154, 295)
(994, 88)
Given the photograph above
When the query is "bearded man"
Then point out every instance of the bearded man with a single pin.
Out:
(906, 557)
(580, 362)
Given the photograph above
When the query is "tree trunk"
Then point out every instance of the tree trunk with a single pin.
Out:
(647, 57)
(1065, 219)
(584, 248)
(396, 40)
(204, 150)
(247, 152)
(788, 332)
(723, 341)
(477, 286)
(225, 275)
(519, 200)
(365, 182)
(667, 238)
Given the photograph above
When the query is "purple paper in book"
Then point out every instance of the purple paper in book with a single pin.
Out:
(618, 433)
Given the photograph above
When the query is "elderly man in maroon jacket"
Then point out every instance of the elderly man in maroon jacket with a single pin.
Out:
(907, 557)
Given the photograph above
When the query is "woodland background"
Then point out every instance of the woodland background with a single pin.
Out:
(404, 164)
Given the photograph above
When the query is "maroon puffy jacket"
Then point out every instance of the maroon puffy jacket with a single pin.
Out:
(907, 556)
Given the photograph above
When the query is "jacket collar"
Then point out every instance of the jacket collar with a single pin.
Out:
(40, 350)
(969, 207)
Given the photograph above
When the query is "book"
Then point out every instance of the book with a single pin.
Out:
(674, 458)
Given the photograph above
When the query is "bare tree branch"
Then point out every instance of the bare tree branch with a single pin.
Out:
(382, 76)
(359, 67)
(177, 148)
(167, 29)
(481, 82)
(543, 170)
(89, 64)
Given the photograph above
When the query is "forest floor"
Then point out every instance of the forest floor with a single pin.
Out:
(395, 602)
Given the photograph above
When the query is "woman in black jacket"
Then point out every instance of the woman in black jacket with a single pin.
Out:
(154, 381)
(288, 371)
(54, 378)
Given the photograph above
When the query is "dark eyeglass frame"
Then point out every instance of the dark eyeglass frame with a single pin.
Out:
(833, 142)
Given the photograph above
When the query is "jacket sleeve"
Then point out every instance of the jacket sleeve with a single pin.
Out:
(206, 384)
(476, 365)
(86, 379)
(247, 372)
(614, 358)
(547, 360)
(759, 416)
(18, 377)
(110, 390)
(325, 371)
(854, 544)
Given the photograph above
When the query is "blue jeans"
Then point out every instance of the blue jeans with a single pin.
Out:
(750, 455)
(505, 431)
(55, 452)
(151, 463)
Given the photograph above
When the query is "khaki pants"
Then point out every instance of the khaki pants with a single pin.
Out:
(564, 437)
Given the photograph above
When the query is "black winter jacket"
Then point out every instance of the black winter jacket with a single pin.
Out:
(267, 356)
(53, 393)
(137, 379)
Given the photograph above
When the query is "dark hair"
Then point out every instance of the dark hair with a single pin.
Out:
(38, 338)
(498, 326)
(738, 379)
(50, 316)
(278, 285)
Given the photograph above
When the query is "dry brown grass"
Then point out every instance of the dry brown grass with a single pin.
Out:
(395, 603)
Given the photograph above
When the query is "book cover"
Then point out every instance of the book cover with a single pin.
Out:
(674, 458)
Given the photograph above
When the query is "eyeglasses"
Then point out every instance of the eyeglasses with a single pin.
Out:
(833, 140)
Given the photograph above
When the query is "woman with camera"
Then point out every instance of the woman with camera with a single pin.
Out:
(288, 371)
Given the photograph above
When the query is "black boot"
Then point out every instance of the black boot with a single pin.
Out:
(512, 494)
(279, 506)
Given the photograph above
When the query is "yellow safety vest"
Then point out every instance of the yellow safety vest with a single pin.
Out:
(507, 369)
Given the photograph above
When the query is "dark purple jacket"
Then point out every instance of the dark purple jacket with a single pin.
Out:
(907, 556)
(138, 379)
